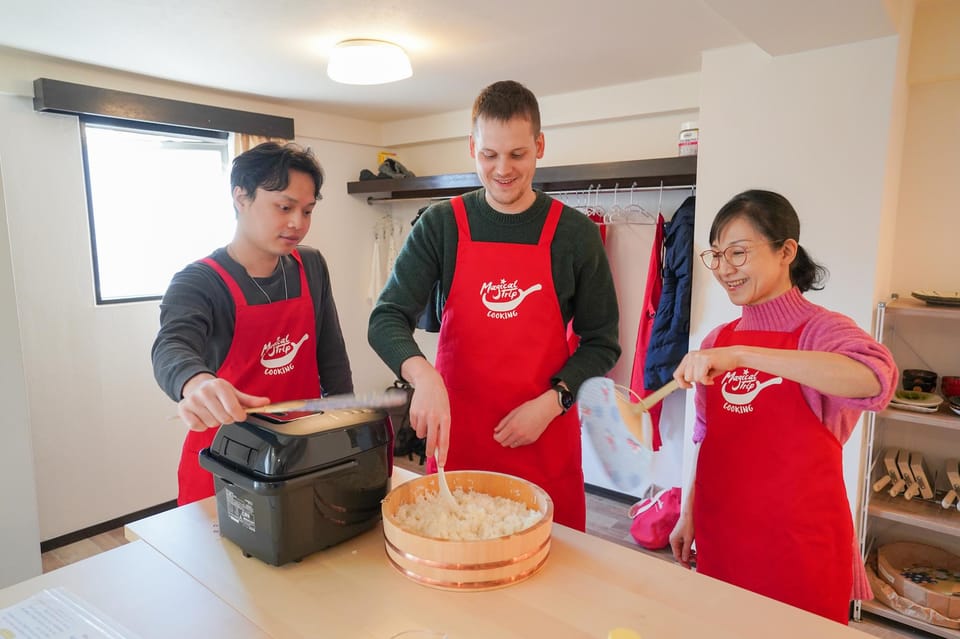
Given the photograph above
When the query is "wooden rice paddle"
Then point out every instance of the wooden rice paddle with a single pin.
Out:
(636, 416)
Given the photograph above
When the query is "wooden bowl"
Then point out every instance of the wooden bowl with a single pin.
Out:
(483, 564)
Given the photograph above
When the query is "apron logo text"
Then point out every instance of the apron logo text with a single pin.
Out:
(277, 356)
(739, 389)
(502, 298)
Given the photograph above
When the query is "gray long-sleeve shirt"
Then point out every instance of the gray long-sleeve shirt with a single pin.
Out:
(197, 317)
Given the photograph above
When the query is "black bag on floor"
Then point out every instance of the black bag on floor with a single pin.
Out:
(405, 440)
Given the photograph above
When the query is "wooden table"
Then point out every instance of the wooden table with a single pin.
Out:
(137, 587)
(587, 587)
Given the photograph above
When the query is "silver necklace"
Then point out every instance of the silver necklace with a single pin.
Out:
(283, 273)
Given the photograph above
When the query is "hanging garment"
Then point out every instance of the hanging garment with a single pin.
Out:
(502, 339)
(393, 233)
(273, 354)
(651, 300)
(573, 340)
(770, 507)
(376, 268)
(669, 338)
(598, 219)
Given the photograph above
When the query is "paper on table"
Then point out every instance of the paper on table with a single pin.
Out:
(56, 613)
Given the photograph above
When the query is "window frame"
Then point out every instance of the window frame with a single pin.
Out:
(132, 126)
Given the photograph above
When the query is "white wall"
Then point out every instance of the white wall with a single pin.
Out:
(102, 444)
(925, 244)
(623, 122)
(342, 229)
(925, 254)
(18, 70)
(813, 126)
(20, 531)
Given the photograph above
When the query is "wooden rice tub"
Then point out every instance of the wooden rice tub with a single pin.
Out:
(476, 564)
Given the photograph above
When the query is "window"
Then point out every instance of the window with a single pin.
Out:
(158, 198)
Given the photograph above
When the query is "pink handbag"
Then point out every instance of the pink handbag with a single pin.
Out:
(654, 518)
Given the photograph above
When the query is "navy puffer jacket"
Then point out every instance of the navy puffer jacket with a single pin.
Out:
(671, 326)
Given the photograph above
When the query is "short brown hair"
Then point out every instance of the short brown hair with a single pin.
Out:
(505, 100)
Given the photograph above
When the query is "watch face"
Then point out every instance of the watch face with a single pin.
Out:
(566, 399)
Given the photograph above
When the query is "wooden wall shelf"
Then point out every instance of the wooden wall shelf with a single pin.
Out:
(678, 171)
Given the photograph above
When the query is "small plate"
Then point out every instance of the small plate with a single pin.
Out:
(940, 298)
(955, 409)
(912, 408)
(917, 398)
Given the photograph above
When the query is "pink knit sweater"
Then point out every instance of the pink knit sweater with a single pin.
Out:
(825, 331)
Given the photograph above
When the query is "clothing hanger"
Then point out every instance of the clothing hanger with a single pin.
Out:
(634, 213)
(615, 209)
(597, 209)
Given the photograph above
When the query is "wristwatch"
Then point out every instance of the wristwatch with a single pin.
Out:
(564, 396)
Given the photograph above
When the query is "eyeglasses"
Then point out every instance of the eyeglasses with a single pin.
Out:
(734, 255)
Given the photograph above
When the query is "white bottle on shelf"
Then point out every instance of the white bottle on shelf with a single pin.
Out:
(689, 139)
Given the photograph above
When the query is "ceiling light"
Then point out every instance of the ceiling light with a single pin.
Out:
(368, 62)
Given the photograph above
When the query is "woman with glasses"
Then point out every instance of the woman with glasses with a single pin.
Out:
(778, 392)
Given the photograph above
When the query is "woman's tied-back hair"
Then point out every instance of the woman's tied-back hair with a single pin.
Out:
(505, 100)
(774, 217)
(268, 165)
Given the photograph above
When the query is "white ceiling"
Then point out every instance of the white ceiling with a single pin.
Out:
(278, 49)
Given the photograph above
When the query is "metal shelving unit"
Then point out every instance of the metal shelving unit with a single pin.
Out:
(917, 513)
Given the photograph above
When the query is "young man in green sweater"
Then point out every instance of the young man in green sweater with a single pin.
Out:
(515, 267)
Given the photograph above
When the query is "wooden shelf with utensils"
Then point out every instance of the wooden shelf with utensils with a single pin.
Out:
(919, 513)
(943, 418)
(911, 307)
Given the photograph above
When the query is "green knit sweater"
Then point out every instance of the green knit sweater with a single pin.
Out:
(581, 277)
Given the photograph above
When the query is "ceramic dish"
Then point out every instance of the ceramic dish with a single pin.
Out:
(940, 298)
(912, 408)
(917, 398)
(955, 409)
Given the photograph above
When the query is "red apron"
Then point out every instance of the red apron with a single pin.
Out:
(502, 338)
(273, 354)
(770, 511)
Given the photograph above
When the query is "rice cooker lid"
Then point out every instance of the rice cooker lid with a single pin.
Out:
(291, 444)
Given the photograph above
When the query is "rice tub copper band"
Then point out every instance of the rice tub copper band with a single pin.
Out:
(468, 585)
(487, 566)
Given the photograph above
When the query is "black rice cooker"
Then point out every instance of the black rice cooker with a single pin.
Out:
(291, 484)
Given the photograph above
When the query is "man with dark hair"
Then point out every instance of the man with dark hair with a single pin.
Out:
(514, 267)
(255, 321)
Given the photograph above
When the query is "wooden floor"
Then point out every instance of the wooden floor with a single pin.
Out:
(606, 518)
(60, 557)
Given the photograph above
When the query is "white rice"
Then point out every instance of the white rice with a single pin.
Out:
(477, 516)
